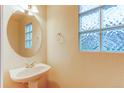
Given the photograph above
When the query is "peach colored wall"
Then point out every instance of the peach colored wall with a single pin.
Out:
(13, 33)
(11, 59)
(72, 68)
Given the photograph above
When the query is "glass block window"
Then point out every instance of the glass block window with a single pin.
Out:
(89, 27)
(113, 28)
(90, 41)
(113, 40)
(101, 28)
(28, 35)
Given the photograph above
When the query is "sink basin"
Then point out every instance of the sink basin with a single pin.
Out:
(24, 74)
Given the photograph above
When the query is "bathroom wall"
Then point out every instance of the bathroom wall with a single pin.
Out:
(13, 33)
(72, 68)
(10, 58)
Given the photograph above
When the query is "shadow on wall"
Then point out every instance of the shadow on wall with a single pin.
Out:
(53, 85)
(14, 84)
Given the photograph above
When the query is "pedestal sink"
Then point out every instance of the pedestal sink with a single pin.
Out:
(29, 75)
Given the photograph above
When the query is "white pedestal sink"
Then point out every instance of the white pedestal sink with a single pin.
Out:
(29, 75)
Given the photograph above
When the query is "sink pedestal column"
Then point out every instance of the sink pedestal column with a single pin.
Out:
(33, 84)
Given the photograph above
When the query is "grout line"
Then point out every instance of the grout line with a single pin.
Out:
(100, 29)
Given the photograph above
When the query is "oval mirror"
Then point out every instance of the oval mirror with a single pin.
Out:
(24, 34)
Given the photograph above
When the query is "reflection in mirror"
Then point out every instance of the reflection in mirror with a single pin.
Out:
(24, 34)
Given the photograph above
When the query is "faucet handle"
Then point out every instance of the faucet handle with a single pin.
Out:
(26, 65)
(30, 65)
(33, 63)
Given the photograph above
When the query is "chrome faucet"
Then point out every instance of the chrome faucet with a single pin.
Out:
(30, 65)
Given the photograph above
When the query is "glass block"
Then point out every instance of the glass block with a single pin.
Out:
(90, 21)
(29, 44)
(90, 41)
(27, 36)
(84, 8)
(113, 40)
(113, 15)
(26, 44)
(30, 36)
(30, 27)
